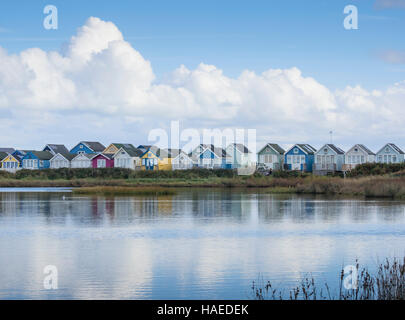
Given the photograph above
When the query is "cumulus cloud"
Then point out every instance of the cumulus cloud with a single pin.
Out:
(99, 87)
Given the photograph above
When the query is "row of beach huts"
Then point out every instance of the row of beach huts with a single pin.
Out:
(301, 157)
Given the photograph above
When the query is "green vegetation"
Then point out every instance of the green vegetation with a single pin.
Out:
(360, 183)
(377, 169)
(116, 173)
(387, 283)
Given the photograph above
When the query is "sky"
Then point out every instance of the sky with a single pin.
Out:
(114, 70)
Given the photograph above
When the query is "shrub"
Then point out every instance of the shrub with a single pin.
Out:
(374, 169)
(117, 173)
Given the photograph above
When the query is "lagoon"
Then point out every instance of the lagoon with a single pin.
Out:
(196, 244)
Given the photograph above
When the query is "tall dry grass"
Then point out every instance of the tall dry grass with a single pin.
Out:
(390, 186)
(384, 187)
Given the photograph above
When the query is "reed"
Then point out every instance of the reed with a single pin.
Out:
(387, 283)
(389, 186)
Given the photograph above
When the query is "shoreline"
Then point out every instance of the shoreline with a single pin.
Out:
(389, 187)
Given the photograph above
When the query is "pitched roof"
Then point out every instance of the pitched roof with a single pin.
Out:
(43, 155)
(131, 151)
(337, 150)
(274, 146)
(57, 148)
(3, 155)
(8, 150)
(241, 147)
(67, 155)
(367, 150)
(221, 153)
(307, 148)
(105, 155)
(393, 146)
(16, 157)
(94, 145)
(161, 153)
(123, 145)
(173, 153)
(144, 146)
(396, 148)
(23, 152)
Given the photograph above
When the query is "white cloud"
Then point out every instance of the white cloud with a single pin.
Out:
(101, 88)
(393, 56)
(387, 4)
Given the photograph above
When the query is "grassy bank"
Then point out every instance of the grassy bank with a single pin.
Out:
(387, 283)
(387, 186)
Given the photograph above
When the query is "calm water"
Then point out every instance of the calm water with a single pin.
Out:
(207, 244)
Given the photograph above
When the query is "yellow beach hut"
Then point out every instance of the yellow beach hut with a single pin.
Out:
(155, 158)
(10, 163)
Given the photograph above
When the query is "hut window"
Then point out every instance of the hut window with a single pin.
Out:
(101, 163)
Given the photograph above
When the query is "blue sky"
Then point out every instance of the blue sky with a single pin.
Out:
(233, 35)
(268, 65)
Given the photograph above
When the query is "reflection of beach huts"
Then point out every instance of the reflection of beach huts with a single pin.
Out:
(299, 209)
(10, 203)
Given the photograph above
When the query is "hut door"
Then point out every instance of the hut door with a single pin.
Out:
(149, 164)
(296, 165)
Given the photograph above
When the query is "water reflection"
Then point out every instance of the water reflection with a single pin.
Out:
(198, 243)
(200, 205)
